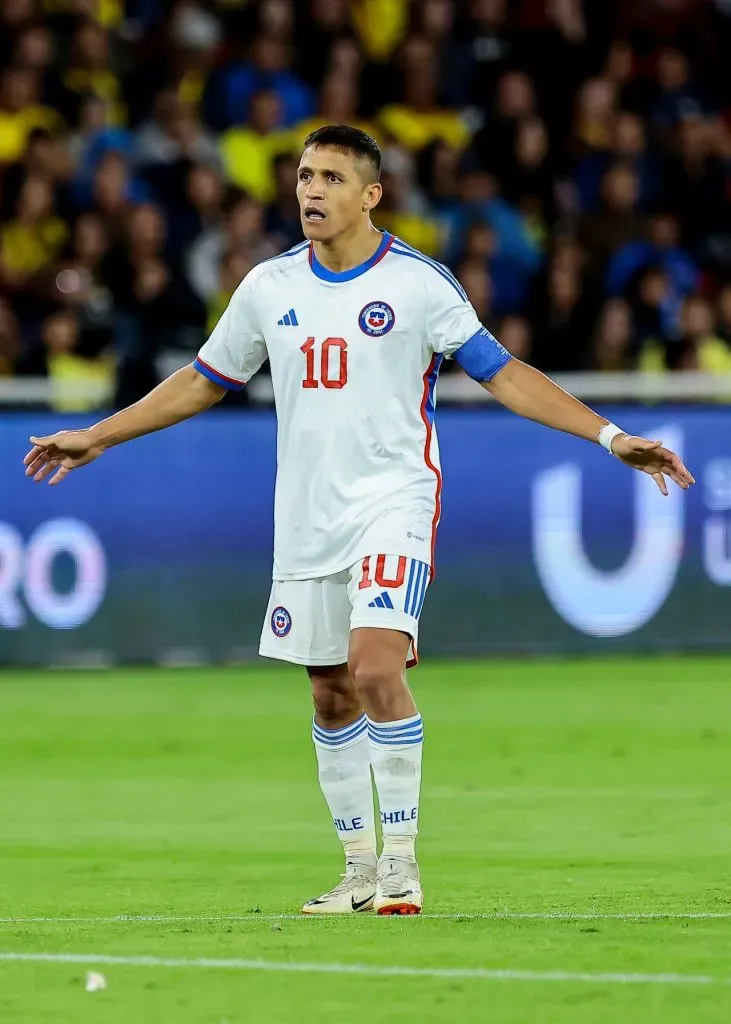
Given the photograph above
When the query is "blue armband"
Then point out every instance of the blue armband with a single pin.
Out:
(482, 356)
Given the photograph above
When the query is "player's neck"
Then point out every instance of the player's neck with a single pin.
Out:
(349, 251)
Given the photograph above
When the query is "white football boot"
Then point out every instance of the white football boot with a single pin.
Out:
(353, 895)
(398, 890)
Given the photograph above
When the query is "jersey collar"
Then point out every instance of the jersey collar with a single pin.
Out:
(349, 275)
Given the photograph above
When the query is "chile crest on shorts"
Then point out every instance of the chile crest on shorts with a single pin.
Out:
(281, 621)
(376, 319)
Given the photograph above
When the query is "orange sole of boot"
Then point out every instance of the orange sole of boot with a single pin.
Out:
(399, 910)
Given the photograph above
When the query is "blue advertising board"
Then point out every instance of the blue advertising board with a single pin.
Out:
(162, 549)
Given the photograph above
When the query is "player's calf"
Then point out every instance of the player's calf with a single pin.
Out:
(340, 736)
(395, 736)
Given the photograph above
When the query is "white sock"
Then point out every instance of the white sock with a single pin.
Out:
(344, 770)
(396, 749)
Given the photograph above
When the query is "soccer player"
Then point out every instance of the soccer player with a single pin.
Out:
(355, 324)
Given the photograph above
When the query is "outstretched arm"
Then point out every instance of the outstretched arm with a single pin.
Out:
(529, 393)
(182, 395)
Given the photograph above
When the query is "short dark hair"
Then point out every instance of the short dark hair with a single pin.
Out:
(353, 140)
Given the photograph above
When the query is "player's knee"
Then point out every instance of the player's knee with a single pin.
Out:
(334, 695)
(378, 684)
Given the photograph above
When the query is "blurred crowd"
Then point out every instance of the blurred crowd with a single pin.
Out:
(569, 160)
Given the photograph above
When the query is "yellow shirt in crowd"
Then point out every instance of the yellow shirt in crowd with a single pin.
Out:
(248, 157)
(713, 356)
(66, 369)
(415, 129)
(15, 129)
(27, 248)
(381, 25)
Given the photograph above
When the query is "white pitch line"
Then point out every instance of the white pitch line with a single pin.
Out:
(475, 973)
(506, 915)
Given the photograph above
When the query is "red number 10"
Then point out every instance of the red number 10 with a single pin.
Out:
(311, 380)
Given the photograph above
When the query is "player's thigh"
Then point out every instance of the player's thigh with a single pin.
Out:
(387, 592)
(308, 622)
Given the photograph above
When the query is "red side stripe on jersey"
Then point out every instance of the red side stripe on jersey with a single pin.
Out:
(231, 380)
(388, 246)
(430, 464)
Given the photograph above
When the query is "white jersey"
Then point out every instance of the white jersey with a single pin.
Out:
(354, 360)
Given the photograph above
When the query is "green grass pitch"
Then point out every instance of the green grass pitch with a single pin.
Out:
(559, 799)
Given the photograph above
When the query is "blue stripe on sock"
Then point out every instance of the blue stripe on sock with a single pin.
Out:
(389, 730)
(335, 735)
(334, 744)
(338, 737)
(410, 741)
(405, 733)
(377, 737)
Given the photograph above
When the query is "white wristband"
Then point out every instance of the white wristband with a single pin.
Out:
(607, 434)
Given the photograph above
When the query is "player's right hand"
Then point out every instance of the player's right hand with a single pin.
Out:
(59, 453)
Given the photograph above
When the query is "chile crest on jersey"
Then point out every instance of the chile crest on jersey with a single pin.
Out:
(376, 319)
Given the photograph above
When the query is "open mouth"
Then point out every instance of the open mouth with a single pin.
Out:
(313, 215)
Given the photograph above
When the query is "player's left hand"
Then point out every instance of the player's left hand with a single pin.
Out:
(650, 457)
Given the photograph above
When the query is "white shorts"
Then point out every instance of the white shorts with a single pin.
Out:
(308, 622)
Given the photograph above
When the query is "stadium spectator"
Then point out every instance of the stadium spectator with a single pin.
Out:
(248, 151)
(79, 283)
(81, 381)
(90, 70)
(339, 104)
(22, 111)
(595, 117)
(630, 146)
(516, 335)
(32, 239)
(475, 278)
(616, 222)
(487, 45)
(420, 119)
(243, 230)
(661, 248)
(318, 30)
(554, 194)
(232, 268)
(724, 314)
(9, 339)
(403, 212)
(564, 314)
(174, 133)
(700, 347)
(282, 220)
(679, 96)
(230, 91)
(612, 347)
(656, 311)
(515, 102)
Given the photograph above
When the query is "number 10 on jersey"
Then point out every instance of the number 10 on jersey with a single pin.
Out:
(331, 368)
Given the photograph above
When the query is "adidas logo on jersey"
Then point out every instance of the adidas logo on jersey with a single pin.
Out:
(382, 601)
(288, 320)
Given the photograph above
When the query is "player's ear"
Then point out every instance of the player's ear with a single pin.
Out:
(372, 196)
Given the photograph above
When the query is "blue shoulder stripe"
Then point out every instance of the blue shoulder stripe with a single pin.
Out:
(442, 271)
(290, 252)
(429, 259)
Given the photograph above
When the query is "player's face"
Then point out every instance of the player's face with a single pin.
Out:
(332, 192)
